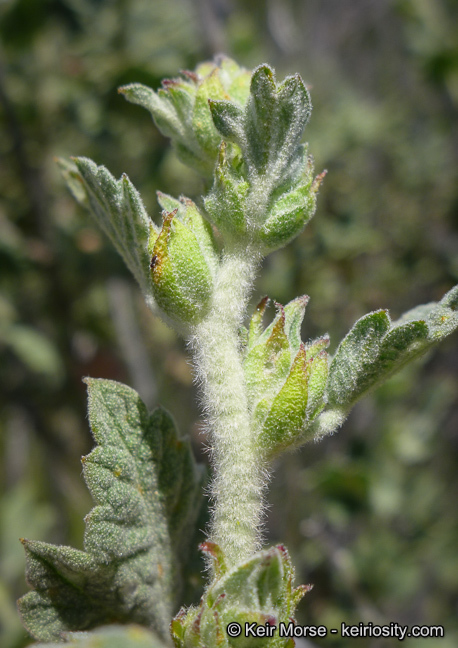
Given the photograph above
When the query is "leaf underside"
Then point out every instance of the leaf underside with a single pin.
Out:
(147, 492)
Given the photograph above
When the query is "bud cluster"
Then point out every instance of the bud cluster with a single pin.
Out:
(259, 591)
(181, 111)
(244, 130)
(285, 378)
(264, 190)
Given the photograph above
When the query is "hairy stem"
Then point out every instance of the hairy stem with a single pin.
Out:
(239, 480)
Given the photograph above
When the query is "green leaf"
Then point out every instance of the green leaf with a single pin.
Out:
(118, 210)
(285, 379)
(276, 116)
(181, 108)
(163, 112)
(206, 134)
(268, 361)
(375, 347)
(228, 118)
(188, 213)
(147, 493)
(260, 117)
(109, 637)
(266, 191)
(348, 373)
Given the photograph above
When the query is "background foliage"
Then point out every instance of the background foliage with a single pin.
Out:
(369, 515)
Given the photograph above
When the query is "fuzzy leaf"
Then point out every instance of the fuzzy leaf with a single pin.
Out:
(276, 116)
(268, 361)
(228, 118)
(163, 112)
(288, 217)
(109, 637)
(294, 316)
(375, 347)
(188, 213)
(357, 351)
(146, 488)
(266, 190)
(204, 128)
(118, 210)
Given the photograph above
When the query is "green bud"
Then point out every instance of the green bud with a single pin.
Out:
(290, 212)
(181, 108)
(285, 379)
(189, 214)
(268, 358)
(225, 205)
(258, 591)
(282, 420)
(182, 264)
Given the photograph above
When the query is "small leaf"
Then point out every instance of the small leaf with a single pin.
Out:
(260, 117)
(188, 213)
(228, 119)
(357, 351)
(294, 316)
(318, 377)
(181, 110)
(375, 348)
(163, 112)
(202, 121)
(118, 210)
(182, 95)
(256, 328)
(268, 362)
(147, 493)
(170, 204)
(276, 116)
(315, 347)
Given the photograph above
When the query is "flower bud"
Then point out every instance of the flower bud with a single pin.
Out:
(290, 212)
(181, 109)
(225, 205)
(285, 378)
(182, 265)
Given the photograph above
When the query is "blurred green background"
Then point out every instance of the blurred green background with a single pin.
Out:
(369, 515)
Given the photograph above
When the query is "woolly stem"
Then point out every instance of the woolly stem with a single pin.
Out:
(238, 485)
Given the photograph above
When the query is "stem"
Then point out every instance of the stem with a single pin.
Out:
(239, 480)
